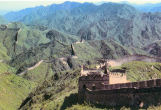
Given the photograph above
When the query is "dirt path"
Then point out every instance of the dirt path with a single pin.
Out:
(36, 65)
(31, 68)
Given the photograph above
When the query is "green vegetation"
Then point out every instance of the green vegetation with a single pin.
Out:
(85, 51)
(3, 53)
(26, 45)
(92, 50)
(18, 38)
(40, 73)
(139, 71)
(54, 75)
(51, 94)
(4, 68)
(120, 22)
(7, 40)
(62, 94)
(13, 90)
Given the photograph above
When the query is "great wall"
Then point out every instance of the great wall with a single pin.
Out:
(113, 89)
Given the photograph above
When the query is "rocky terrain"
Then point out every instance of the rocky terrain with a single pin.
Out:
(154, 48)
(120, 22)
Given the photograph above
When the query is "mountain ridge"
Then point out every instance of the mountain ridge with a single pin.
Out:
(120, 22)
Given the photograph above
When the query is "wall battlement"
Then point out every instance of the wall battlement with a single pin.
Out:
(131, 93)
(104, 85)
(125, 97)
(135, 85)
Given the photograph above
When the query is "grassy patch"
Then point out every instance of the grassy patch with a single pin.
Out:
(139, 71)
(13, 90)
(3, 53)
(4, 68)
(51, 94)
(39, 73)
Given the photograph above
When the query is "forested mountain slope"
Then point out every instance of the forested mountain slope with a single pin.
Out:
(120, 22)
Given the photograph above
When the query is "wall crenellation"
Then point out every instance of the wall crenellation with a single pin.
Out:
(136, 85)
(131, 93)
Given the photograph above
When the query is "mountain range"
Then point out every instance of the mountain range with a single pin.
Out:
(148, 7)
(120, 22)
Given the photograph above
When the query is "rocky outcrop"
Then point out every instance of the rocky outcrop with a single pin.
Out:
(154, 48)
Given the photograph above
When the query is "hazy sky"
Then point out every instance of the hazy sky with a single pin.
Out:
(7, 5)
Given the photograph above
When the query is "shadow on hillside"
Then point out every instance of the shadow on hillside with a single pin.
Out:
(115, 107)
(69, 101)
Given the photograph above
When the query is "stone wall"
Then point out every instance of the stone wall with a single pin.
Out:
(125, 97)
(93, 82)
(136, 85)
(141, 93)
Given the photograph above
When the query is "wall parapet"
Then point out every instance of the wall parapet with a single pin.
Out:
(136, 85)
(127, 94)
